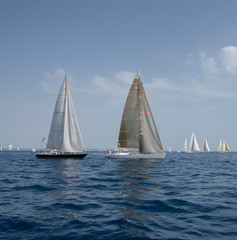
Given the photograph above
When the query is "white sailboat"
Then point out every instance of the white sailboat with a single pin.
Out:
(223, 148)
(185, 148)
(193, 145)
(205, 146)
(138, 130)
(10, 147)
(65, 140)
(0, 147)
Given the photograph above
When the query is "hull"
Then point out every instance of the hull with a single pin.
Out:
(61, 155)
(136, 155)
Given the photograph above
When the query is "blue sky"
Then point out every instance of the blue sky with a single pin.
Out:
(186, 51)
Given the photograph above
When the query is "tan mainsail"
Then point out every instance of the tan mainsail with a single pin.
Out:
(129, 129)
(223, 148)
(138, 129)
(149, 140)
(219, 149)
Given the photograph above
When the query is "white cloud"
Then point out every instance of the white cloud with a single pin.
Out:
(54, 80)
(162, 84)
(209, 91)
(209, 64)
(229, 58)
(108, 87)
(121, 83)
(126, 77)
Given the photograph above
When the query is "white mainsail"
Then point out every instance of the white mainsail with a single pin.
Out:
(185, 149)
(193, 145)
(65, 135)
(205, 146)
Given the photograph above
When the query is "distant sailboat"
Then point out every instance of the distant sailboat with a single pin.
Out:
(185, 148)
(0, 147)
(205, 146)
(219, 149)
(138, 129)
(10, 147)
(65, 140)
(169, 150)
(223, 148)
(193, 145)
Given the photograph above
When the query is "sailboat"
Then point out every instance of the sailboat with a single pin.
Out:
(193, 145)
(64, 140)
(223, 148)
(185, 148)
(205, 146)
(138, 130)
(0, 147)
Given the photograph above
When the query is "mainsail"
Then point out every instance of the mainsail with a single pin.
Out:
(223, 148)
(129, 129)
(226, 147)
(185, 149)
(205, 146)
(220, 146)
(193, 145)
(138, 129)
(64, 132)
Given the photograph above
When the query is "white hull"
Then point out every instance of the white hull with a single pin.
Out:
(136, 155)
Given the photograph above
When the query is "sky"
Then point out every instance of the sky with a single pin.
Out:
(186, 51)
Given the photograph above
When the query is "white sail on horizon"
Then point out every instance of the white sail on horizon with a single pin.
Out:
(193, 145)
(223, 147)
(205, 146)
(185, 148)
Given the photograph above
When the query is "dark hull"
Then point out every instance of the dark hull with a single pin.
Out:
(50, 155)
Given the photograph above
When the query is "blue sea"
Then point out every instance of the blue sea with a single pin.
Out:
(185, 196)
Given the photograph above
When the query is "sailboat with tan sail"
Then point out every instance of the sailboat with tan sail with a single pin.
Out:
(138, 130)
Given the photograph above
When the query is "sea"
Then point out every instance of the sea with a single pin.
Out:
(184, 196)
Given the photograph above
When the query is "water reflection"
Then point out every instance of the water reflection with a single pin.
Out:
(63, 178)
(140, 185)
